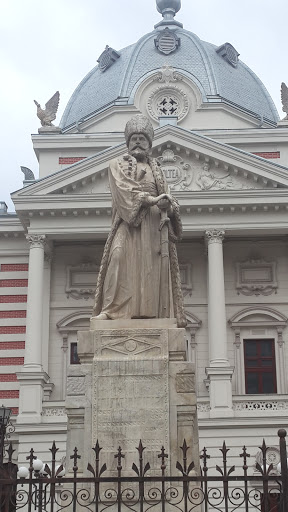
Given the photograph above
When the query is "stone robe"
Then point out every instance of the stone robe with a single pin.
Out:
(129, 278)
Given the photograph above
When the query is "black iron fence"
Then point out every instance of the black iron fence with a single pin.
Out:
(221, 488)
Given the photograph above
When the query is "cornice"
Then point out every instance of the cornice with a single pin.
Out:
(188, 141)
(247, 135)
(72, 140)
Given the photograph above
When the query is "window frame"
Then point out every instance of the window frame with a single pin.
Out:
(73, 362)
(260, 369)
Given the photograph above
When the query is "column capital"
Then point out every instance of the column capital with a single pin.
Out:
(214, 236)
(36, 241)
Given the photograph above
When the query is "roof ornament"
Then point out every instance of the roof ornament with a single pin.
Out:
(229, 53)
(167, 41)
(28, 174)
(284, 99)
(168, 9)
(49, 114)
(107, 58)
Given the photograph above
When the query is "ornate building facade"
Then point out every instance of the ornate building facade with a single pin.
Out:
(225, 155)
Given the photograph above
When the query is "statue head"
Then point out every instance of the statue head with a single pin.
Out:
(139, 135)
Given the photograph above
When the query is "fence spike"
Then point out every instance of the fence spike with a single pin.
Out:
(10, 452)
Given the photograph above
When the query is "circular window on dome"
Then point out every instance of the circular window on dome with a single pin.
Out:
(168, 105)
(168, 102)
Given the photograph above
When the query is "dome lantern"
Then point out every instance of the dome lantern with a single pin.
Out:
(168, 9)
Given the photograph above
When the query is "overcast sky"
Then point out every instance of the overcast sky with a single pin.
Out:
(50, 45)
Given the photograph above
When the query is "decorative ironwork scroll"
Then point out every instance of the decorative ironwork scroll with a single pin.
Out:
(141, 489)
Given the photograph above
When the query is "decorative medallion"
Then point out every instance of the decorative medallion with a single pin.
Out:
(167, 41)
(178, 173)
(228, 52)
(107, 58)
(168, 101)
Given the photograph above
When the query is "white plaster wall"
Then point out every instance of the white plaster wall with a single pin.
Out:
(239, 252)
(62, 306)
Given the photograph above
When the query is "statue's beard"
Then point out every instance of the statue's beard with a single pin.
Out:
(139, 153)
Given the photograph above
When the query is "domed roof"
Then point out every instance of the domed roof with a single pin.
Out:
(204, 63)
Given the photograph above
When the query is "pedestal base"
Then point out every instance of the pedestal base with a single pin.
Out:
(135, 383)
(32, 384)
(220, 390)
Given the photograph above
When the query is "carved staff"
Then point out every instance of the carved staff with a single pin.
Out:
(164, 275)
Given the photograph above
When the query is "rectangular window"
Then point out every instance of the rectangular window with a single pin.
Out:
(260, 368)
(74, 359)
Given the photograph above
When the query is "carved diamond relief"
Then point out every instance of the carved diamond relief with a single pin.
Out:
(81, 280)
(256, 277)
(129, 346)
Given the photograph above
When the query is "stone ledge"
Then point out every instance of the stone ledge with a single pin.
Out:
(135, 323)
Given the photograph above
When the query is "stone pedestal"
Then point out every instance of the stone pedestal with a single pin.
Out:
(134, 383)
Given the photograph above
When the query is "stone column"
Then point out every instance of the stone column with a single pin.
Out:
(219, 372)
(33, 345)
(32, 378)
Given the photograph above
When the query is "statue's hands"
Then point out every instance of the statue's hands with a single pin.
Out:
(163, 204)
(152, 201)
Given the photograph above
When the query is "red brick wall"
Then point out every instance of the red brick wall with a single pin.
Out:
(13, 314)
(14, 267)
(11, 361)
(269, 154)
(68, 160)
(16, 346)
(6, 283)
(12, 345)
(9, 299)
(12, 393)
(8, 377)
(14, 410)
(13, 329)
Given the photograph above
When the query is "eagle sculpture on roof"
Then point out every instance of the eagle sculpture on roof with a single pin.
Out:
(49, 114)
(284, 99)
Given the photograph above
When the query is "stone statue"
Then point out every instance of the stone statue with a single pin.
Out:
(49, 114)
(139, 273)
(284, 98)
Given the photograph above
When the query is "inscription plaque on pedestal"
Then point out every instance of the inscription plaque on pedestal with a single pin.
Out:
(130, 399)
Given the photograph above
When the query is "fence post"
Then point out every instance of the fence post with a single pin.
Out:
(284, 469)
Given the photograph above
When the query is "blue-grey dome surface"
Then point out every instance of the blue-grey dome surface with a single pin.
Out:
(197, 59)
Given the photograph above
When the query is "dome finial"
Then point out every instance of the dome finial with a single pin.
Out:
(168, 9)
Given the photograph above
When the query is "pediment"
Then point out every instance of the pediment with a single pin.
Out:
(191, 162)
